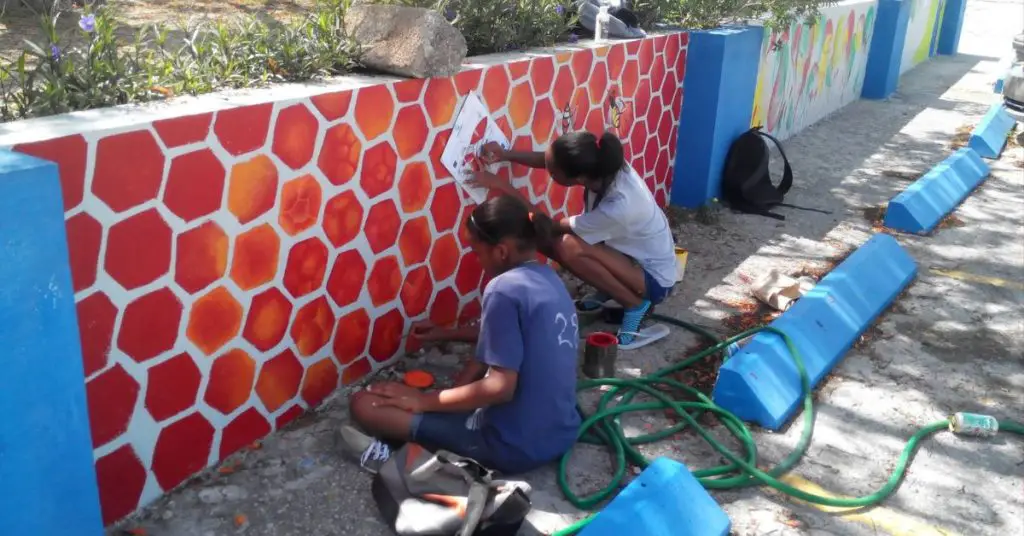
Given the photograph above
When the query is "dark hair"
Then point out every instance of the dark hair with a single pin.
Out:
(504, 217)
(582, 154)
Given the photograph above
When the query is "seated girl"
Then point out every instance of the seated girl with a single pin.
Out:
(622, 244)
(514, 407)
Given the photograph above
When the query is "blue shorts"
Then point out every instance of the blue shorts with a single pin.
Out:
(655, 292)
(455, 432)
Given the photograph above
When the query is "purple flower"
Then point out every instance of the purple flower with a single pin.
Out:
(87, 23)
(560, 10)
(573, 38)
(55, 52)
(450, 14)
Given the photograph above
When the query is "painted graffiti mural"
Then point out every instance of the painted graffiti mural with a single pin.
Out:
(811, 70)
(922, 32)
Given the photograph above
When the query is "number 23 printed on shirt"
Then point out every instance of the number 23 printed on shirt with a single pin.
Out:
(571, 339)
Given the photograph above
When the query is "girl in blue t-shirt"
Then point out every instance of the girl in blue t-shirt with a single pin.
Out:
(513, 407)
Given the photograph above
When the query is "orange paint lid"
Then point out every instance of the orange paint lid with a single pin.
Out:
(419, 379)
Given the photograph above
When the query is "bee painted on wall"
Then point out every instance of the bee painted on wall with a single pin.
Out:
(566, 118)
(616, 108)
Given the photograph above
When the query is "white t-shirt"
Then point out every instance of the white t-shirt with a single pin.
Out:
(629, 220)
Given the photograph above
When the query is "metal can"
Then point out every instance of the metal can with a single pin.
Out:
(973, 424)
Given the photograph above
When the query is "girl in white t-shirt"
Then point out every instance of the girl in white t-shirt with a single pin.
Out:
(622, 243)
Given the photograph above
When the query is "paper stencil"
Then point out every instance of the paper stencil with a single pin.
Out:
(473, 128)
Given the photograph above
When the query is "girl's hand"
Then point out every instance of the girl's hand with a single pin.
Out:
(413, 402)
(491, 153)
(392, 390)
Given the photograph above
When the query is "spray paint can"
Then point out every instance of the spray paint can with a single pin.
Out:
(973, 424)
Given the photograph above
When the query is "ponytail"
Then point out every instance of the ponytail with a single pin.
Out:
(504, 217)
(543, 230)
(582, 155)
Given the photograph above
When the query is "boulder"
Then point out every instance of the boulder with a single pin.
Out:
(407, 41)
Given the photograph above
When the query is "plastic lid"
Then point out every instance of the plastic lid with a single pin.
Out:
(419, 379)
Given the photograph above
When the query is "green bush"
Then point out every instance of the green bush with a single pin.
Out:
(50, 77)
(703, 14)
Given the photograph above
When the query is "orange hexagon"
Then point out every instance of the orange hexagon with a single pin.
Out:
(384, 281)
(440, 101)
(304, 272)
(374, 108)
(575, 205)
(539, 182)
(495, 87)
(520, 104)
(561, 92)
(215, 319)
(556, 195)
(444, 257)
(356, 371)
(321, 380)
(350, 336)
(410, 131)
(409, 90)
(416, 291)
(300, 204)
(630, 79)
(279, 380)
(436, 150)
(295, 135)
(378, 174)
(543, 122)
(414, 187)
(462, 232)
(255, 258)
(333, 105)
(252, 189)
(502, 124)
(582, 60)
(387, 335)
(542, 73)
(343, 218)
(382, 225)
(518, 69)
(616, 60)
(267, 319)
(202, 257)
(445, 309)
(339, 155)
(599, 84)
(467, 81)
(230, 383)
(312, 326)
(347, 278)
(414, 241)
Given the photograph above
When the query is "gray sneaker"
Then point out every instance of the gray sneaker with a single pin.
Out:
(369, 452)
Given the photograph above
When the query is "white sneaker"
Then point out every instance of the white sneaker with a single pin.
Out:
(369, 452)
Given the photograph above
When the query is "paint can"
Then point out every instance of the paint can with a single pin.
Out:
(973, 424)
(599, 353)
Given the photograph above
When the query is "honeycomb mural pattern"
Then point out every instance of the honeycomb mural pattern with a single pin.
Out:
(234, 268)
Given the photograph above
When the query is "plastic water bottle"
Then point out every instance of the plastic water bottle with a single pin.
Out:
(604, 18)
(973, 424)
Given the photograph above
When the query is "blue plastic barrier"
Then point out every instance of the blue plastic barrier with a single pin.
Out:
(921, 207)
(952, 23)
(882, 72)
(665, 500)
(989, 137)
(761, 383)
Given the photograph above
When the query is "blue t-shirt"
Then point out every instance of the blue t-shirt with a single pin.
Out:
(529, 325)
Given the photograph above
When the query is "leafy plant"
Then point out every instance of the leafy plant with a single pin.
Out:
(704, 14)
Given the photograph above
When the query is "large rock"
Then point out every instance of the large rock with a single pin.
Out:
(408, 41)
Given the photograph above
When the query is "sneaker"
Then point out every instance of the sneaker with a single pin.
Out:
(593, 302)
(631, 320)
(369, 452)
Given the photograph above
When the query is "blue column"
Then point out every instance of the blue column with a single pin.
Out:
(952, 23)
(47, 478)
(718, 100)
(882, 73)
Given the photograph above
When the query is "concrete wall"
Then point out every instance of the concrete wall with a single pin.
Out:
(922, 32)
(235, 260)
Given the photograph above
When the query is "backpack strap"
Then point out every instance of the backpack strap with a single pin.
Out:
(479, 478)
(787, 172)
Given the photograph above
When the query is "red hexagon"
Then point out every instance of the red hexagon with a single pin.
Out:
(539, 182)
(195, 185)
(445, 206)
(410, 131)
(467, 279)
(279, 380)
(542, 74)
(470, 312)
(347, 277)
(414, 187)
(445, 309)
(580, 106)
(672, 49)
(138, 249)
(444, 257)
(518, 69)
(409, 90)
(646, 53)
(96, 318)
(84, 235)
(520, 104)
(129, 169)
(616, 59)
(556, 196)
(307, 263)
(300, 204)
(414, 241)
(563, 88)
(416, 291)
(638, 138)
(332, 105)
(214, 320)
(311, 329)
(596, 122)
(599, 84)
(246, 429)
(267, 319)
(374, 108)
(295, 135)
(382, 226)
(496, 87)
(630, 79)
(384, 281)
(378, 174)
(182, 450)
(356, 371)
(543, 122)
(654, 112)
(288, 415)
(120, 478)
(231, 378)
(111, 399)
(350, 336)
(576, 203)
(387, 335)
(650, 154)
(665, 128)
(440, 100)
(321, 380)
(436, 151)
(183, 130)
(582, 62)
(150, 324)
(69, 153)
(255, 257)
(339, 155)
(467, 81)
(244, 129)
(253, 188)
(462, 232)
(202, 257)
(343, 218)
(173, 387)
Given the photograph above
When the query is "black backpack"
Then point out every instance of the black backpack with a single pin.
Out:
(746, 181)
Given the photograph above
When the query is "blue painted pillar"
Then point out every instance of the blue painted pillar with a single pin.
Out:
(882, 73)
(718, 100)
(47, 479)
(952, 23)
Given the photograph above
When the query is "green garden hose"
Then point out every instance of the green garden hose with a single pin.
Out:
(603, 427)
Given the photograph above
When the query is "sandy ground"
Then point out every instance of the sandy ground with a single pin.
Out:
(951, 343)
